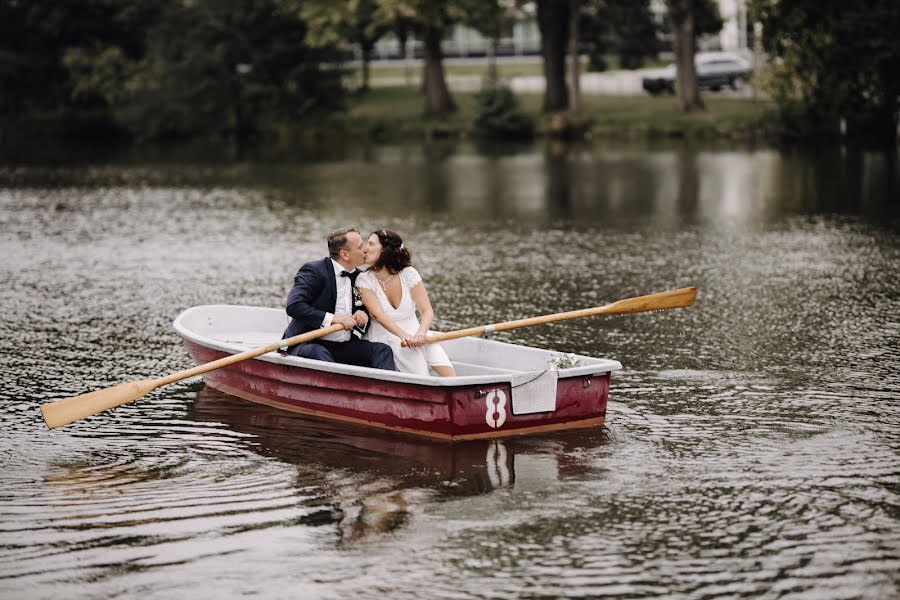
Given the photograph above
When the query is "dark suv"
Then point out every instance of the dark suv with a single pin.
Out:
(715, 70)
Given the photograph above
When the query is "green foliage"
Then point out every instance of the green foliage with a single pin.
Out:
(707, 19)
(497, 115)
(623, 28)
(333, 23)
(36, 87)
(422, 14)
(163, 68)
(835, 62)
(488, 17)
(226, 68)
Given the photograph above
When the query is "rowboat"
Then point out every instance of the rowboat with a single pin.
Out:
(500, 389)
(523, 389)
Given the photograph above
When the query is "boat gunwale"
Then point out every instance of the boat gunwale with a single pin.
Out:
(601, 366)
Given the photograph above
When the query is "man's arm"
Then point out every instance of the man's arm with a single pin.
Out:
(307, 286)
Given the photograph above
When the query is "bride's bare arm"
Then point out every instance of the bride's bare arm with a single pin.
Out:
(376, 311)
(423, 303)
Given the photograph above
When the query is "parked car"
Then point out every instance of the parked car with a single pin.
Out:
(715, 70)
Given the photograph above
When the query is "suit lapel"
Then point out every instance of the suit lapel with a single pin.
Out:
(331, 283)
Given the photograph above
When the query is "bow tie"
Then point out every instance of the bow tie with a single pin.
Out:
(352, 275)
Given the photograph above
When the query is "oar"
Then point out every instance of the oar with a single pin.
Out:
(661, 301)
(63, 412)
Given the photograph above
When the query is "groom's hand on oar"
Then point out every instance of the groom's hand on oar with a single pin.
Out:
(346, 321)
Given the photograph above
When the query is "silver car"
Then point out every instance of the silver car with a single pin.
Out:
(715, 70)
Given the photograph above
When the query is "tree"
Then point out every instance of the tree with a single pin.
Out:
(210, 68)
(707, 18)
(836, 62)
(430, 19)
(36, 87)
(333, 23)
(490, 18)
(636, 32)
(624, 28)
(575, 56)
(438, 100)
(553, 22)
(681, 16)
(403, 27)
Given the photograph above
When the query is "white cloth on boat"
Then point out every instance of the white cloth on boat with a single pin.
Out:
(533, 393)
(408, 360)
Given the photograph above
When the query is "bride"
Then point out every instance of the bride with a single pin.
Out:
(392, 290)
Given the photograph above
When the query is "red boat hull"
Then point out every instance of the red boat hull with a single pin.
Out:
(445, 412)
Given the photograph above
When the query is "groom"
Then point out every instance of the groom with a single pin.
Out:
(323, 294)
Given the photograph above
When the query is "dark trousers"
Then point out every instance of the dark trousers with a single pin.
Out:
(361, 353)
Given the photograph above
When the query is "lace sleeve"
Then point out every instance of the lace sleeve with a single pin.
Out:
(366, 281)
(410, 277)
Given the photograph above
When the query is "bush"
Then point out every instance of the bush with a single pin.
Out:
(497, 115)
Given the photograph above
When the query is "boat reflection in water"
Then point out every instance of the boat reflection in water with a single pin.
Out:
(376, 480)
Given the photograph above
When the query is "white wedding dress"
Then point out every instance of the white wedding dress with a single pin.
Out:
(408, 360)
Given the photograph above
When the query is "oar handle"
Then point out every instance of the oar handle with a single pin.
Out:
(662, 301)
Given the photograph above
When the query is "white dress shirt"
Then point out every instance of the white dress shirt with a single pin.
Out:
(343, 304)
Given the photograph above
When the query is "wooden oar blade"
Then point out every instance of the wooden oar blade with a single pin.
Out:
(62, 412)
(662, 301)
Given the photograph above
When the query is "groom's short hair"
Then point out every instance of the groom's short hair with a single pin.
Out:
(337, 239)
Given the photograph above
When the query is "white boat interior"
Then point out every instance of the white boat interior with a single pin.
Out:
(233, 329)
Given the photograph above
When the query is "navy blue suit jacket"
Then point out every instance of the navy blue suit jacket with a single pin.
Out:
(314, 294)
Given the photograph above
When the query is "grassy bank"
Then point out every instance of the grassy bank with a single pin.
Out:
(396, 113)
(506, 69)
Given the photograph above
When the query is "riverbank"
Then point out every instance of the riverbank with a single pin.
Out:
(395, 113)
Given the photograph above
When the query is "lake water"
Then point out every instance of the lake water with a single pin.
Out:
(752, 443)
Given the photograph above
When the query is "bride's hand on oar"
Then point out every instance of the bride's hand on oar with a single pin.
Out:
(414, 341)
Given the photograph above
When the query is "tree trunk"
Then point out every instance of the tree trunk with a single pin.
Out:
(553, 21)
(438, 100)
(366, 63)
(403, 38)
(681, 15)
(575, 90)
(492, 74)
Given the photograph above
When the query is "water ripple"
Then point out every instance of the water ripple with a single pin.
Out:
(752, 441)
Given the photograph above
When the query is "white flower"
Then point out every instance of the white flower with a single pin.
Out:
(357, 300)
(562, 361)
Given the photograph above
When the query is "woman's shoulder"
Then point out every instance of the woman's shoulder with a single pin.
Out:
(410, 276)
(366, 279)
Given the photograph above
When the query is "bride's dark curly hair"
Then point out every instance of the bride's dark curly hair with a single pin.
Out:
(394, 255)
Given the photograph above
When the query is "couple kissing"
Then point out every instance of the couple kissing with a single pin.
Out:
(377, 307)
